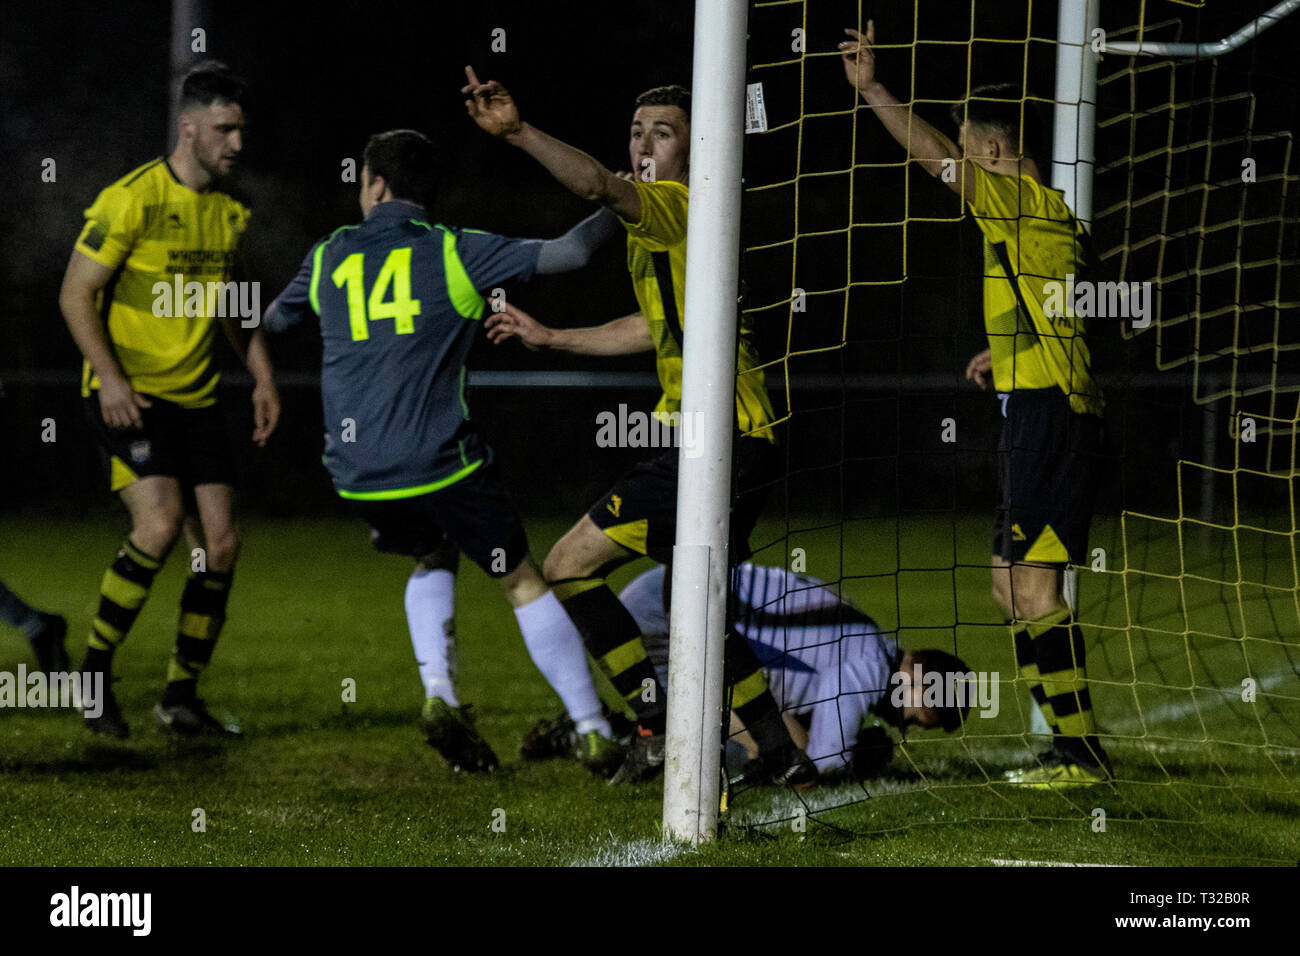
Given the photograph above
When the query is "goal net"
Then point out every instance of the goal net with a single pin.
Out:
(863, 278)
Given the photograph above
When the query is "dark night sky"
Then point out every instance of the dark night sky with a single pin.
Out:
(89, 90)
(85, 84)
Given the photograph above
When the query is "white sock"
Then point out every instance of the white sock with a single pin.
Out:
(555, 646)
(430, 605)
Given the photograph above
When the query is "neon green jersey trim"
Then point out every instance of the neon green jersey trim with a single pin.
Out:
(464, 297)
(313, 287)
(394, 493)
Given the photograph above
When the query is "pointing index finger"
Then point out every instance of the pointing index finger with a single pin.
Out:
(471, 76)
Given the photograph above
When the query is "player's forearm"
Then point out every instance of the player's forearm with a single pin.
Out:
(625, 336)
(251, 349)
(574, 249)
(924, 144)
(578, 172)
(257, 357)
(88, 332)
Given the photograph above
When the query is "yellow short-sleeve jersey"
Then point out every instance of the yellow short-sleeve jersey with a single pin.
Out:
(1034, 229)
(656, 260)
(150, 229)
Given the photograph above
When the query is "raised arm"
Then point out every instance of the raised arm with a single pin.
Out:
(120, 404)
(624, 336)
(574, 249)
(492, 107)
(924, 144)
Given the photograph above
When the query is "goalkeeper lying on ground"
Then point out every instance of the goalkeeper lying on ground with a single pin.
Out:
(834, 673)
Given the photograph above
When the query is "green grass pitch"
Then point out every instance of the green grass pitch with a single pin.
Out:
(1202, 777)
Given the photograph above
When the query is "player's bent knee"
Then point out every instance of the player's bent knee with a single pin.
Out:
(1037, 594)
(157, 531)
(523, 585)
(1001, 591)
(584, 552)
(1002, 596)
(1036, 607)
(559, 566)
(223, 549)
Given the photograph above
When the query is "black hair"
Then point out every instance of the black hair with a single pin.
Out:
(407, 161)
(1000, 106)
(953, 667)
(212, 82)
(674, 95)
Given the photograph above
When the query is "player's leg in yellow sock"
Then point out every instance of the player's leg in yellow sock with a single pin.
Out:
(575, 570)
(122, 592)
(1027, 668)
(1059, 655)
(1022, 644)
(203, 612)
(213, 554)
(751, 698)
(612, 637)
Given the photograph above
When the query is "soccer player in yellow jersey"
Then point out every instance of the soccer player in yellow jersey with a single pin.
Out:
(148, 279)
(1050, 450)
(638, 515)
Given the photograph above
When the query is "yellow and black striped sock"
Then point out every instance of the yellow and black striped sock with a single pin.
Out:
(122, 593)
(1059, 655)
(613, 638)
(751, 698)
(1027, 667)
(203, 611)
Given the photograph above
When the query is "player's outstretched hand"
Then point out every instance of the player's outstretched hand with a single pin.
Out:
(266, 411)
(980, 368)
(120, 404)
(515, 323)
(859, 58)
(490, 105)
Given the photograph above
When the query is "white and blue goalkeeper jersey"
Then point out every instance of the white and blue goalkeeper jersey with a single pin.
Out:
(822, 656)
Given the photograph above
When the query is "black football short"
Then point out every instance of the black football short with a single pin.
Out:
(191, 445)
(640, 511)
(476, 514)
(1049, 470)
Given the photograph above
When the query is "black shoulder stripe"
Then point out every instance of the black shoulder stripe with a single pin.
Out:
(664, 276)
(1000, 249)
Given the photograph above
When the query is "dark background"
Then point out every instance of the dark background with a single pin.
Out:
(86, 85)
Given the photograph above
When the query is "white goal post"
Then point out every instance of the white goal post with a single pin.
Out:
(697, 620)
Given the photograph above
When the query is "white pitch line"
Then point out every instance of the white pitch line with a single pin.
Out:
(997, 862)
(1176, 711)
(1196, 746)
(634, 853)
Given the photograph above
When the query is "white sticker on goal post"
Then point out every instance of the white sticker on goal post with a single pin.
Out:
(755, 109)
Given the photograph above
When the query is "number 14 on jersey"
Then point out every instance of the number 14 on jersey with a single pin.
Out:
(395, 273)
